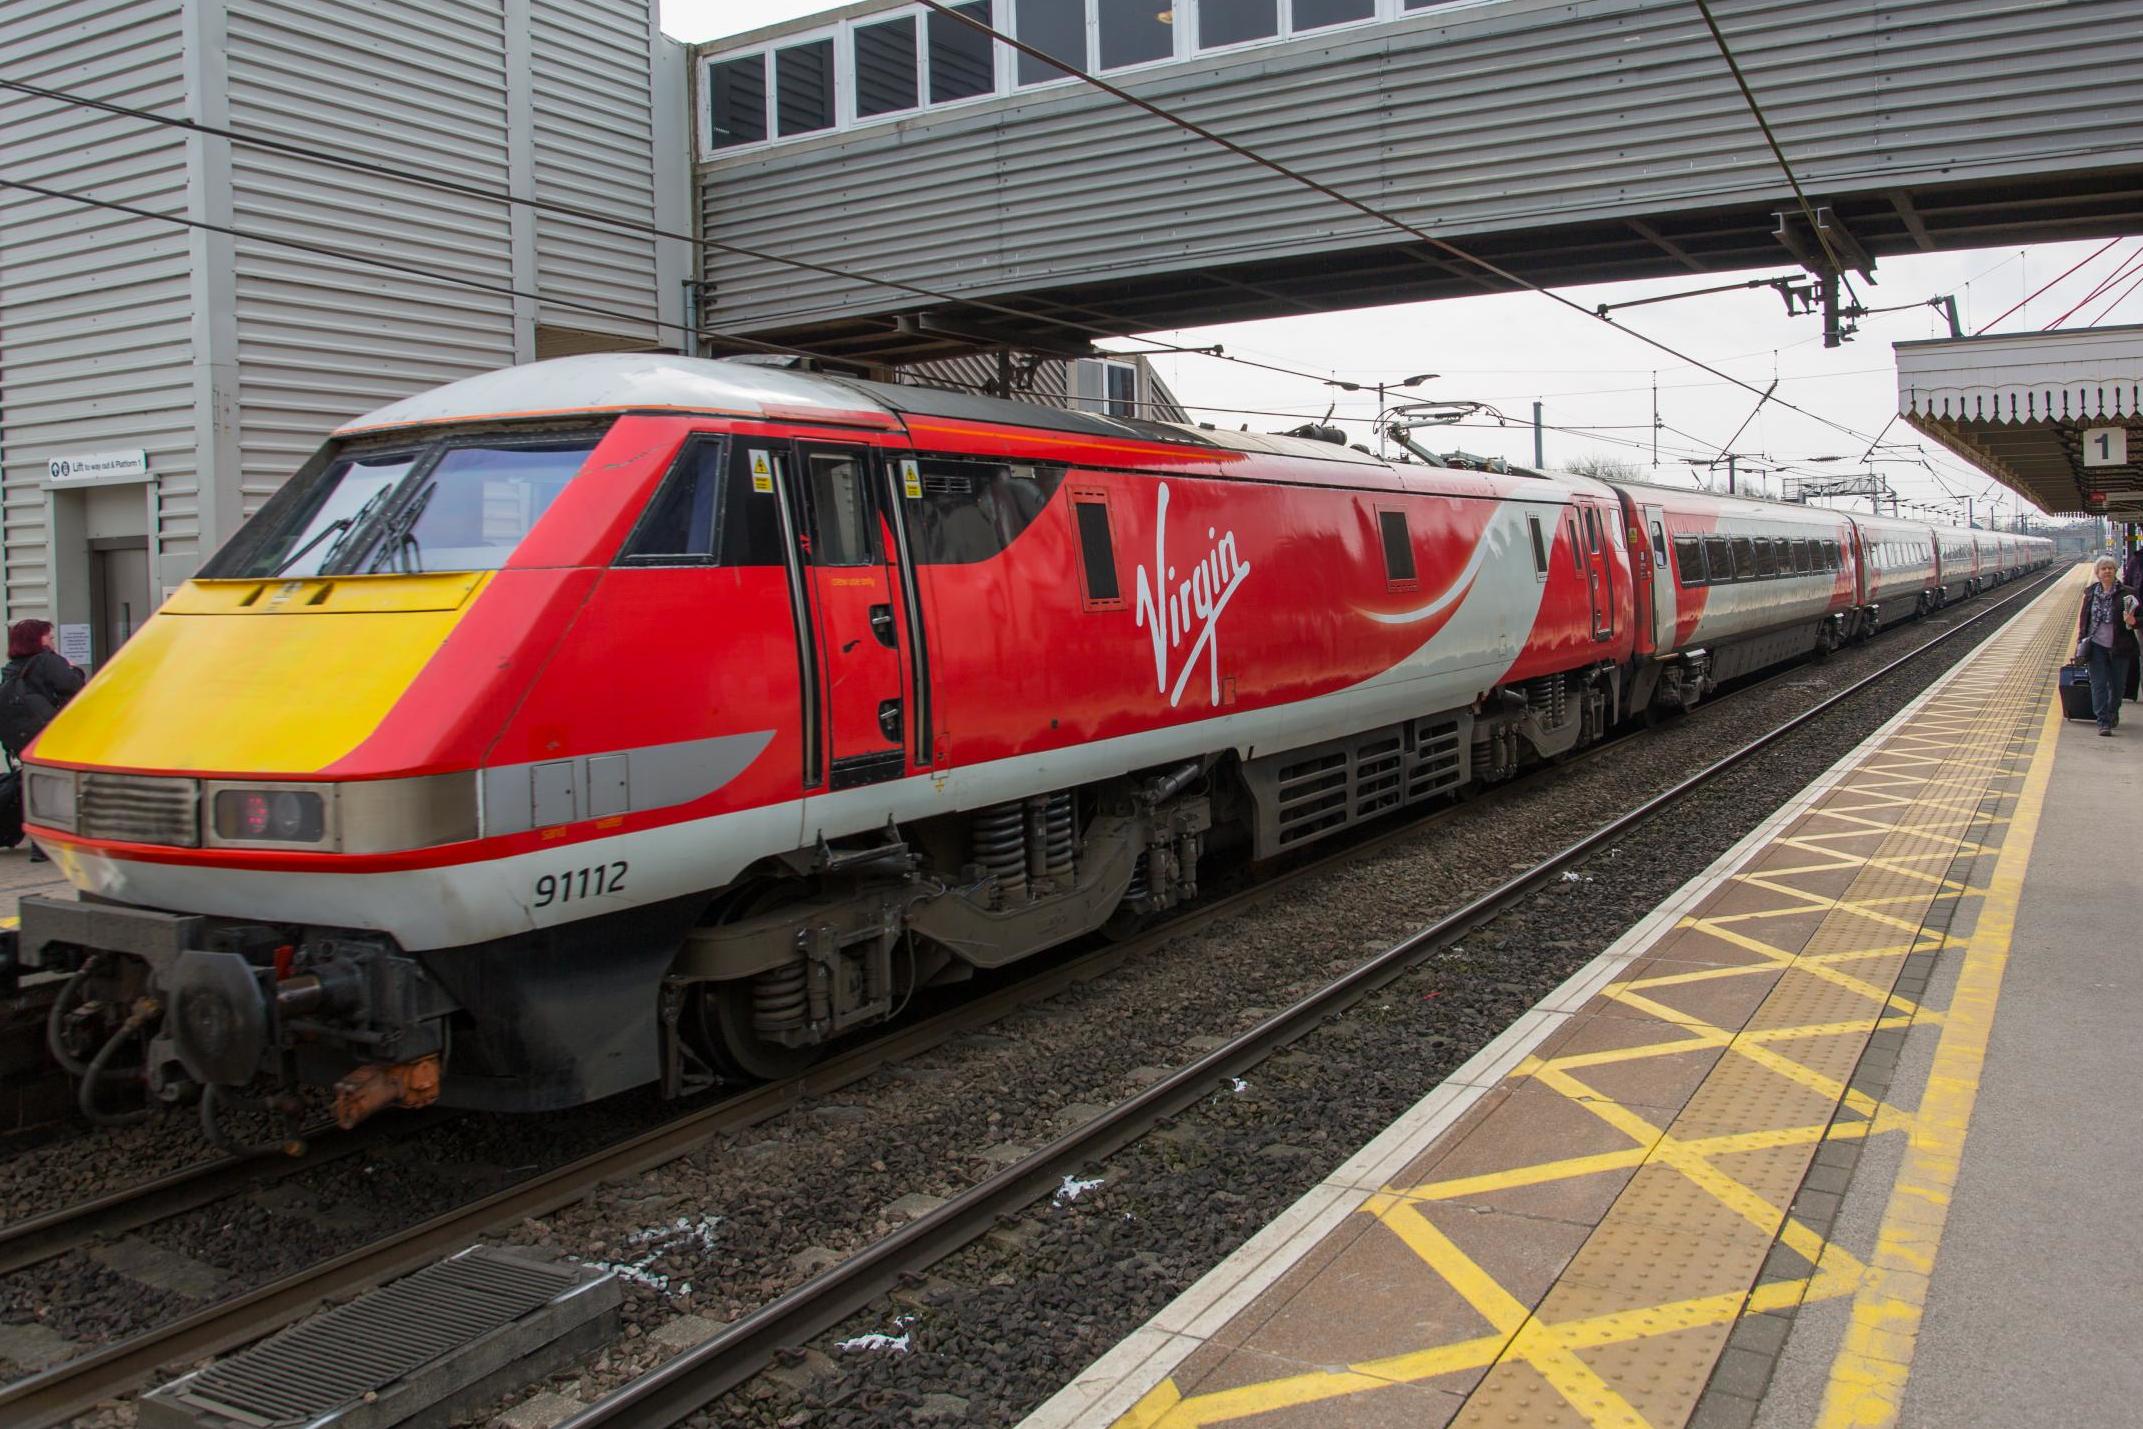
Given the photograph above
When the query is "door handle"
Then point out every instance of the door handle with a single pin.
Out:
(889, 720)
(882, 625)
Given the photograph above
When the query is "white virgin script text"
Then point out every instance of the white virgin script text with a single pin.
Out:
(1170, 610)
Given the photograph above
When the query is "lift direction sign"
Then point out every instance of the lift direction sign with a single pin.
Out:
(2105, 446)
(97, 468)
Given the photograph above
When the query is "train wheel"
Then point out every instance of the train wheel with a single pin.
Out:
(727, 1034)
(724, 1015)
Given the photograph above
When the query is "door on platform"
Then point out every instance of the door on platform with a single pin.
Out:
(119, 596)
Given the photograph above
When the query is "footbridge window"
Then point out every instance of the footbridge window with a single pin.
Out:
(900, 60)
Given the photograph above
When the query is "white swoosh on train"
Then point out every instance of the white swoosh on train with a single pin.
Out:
(1452, 592)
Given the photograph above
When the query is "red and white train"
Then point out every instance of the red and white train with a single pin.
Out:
(613, 719)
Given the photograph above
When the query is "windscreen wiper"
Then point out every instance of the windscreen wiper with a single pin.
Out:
(399, 535)
(340, 528)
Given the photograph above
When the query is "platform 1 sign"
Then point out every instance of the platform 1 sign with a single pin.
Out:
(97, 468)
(2105, 446)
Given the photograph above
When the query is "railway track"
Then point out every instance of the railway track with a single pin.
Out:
(54, 1395)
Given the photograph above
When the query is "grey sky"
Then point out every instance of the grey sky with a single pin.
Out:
(1596, 383)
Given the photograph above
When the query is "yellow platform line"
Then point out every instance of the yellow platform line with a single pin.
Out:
(1868, 1377)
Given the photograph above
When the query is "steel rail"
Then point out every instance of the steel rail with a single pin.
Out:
(40, 1237)
(692, 1380)
(54, 1395)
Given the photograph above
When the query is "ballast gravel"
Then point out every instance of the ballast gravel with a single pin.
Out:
(1000, 1327)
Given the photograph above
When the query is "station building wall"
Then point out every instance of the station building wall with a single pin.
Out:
(225, 359)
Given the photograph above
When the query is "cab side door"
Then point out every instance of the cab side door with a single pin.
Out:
(852, 584)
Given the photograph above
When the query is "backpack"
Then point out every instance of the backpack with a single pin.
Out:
(23, 712)
(10, 809)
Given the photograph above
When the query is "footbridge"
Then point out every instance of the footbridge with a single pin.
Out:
(1568, 142)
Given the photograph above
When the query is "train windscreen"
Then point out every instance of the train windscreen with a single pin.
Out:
(441, 504)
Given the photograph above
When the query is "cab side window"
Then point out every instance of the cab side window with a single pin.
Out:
(710, 511)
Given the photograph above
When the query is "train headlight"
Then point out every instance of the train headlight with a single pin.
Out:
(353, 816)
(270, 816)
(49, 797)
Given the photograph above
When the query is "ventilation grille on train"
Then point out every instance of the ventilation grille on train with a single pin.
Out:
(135, 809)
(1335, 786)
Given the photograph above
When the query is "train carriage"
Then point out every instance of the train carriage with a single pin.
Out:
(1749, 583)
(1899, 577)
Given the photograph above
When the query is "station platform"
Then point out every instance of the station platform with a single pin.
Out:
(1844, 1133)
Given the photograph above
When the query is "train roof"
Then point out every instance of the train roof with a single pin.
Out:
(663, 382)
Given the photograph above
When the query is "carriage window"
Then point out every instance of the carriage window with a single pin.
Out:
(1540, 548)
(1745, 567)
(1097, 553)
(1766, 559)
(1689, 559)
(1398, 545)
(1718, 559)
(1803, 563)
(1659, 543)
(1577, 547)
(1592, 530)
(840, 510)
(972, 510)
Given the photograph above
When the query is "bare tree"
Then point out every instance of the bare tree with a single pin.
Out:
(1602, 467)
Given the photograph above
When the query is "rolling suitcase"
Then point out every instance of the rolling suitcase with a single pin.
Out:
(2075, 692)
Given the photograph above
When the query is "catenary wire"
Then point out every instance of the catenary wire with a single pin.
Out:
(1319, 186)
(2132, 263)
(2043, 287)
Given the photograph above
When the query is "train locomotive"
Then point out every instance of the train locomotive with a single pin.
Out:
(634, 719)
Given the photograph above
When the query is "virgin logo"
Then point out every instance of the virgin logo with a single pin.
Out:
(1172, 610)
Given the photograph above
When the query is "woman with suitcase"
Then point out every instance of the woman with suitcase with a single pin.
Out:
(2106, 640)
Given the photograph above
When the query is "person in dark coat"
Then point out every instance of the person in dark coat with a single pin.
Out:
(32, 659)
(2132, 577)
(2106, 640)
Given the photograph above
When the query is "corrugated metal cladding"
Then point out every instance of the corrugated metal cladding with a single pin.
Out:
(94, 310)
(1487, 118)
(230, 358)
(1051, 382)
(419, 87)
(594, 131)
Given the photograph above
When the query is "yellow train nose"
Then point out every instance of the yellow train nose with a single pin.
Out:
(260, 677)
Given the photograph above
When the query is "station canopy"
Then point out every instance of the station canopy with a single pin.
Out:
(2057, 417)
